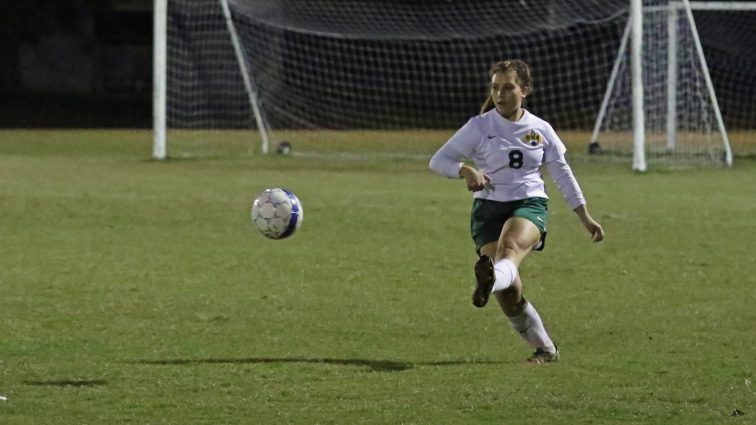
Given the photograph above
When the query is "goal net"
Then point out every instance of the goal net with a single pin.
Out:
(328, 75)
(341, 71)
(683, 120)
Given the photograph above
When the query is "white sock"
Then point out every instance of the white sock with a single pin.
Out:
(530, 327)
(505, 273)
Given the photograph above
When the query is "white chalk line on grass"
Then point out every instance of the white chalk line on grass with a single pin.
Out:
(353, 156)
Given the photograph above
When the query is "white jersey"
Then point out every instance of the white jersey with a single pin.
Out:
(511, 153)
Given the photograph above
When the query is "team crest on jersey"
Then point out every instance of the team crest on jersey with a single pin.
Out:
(533, 138)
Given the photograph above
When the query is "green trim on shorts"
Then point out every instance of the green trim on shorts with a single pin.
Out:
(487, 218)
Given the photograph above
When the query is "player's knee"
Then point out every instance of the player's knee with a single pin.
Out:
(508, 248)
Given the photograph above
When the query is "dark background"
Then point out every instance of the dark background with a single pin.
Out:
(75, 63)
(88, 63)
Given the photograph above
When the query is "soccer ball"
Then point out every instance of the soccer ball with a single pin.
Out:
(283, 147)
(277, 213)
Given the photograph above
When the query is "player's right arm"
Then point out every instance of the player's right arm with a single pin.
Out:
(448, 160)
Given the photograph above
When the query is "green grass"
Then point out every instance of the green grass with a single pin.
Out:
(136, 292)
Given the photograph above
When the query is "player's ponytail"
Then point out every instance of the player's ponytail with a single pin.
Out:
(488, 104)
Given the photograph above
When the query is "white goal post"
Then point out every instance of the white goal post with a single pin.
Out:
(159, 78)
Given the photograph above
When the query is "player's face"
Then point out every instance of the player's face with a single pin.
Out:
(506, 92)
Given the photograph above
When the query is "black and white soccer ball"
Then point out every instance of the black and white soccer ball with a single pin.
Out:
(277, 213)
(283, 148)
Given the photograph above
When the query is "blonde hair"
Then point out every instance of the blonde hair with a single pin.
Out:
(523, 77)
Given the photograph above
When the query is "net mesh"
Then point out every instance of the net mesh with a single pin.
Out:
(383, 66)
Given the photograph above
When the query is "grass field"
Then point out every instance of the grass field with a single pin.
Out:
(136, 292)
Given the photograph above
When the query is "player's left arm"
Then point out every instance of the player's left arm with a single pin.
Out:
(561, 173)
(565, 181)
(593, 227)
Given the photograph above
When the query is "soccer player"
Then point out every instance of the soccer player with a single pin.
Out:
(507, 146)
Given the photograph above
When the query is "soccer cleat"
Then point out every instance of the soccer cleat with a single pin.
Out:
(484, 280)
(542, 356)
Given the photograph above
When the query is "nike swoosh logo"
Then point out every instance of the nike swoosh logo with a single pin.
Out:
(491, 137)
(539, 219)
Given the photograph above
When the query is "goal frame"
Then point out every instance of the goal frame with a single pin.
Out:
(160, 78)
(633, 31)
(631, 41)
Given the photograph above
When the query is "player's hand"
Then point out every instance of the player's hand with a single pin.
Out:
(474, 179)
(595, 229)
(477, 182)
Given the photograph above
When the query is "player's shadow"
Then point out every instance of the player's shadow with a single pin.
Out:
(67, 382)
(374, 365)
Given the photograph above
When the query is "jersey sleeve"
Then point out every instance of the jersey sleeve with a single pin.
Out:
(559, 169)
(562, 175)
(554, 149)
(448, 159)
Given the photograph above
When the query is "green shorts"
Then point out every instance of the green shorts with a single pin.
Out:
(488, 218)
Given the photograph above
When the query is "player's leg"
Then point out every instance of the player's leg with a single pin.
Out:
(484, 274)
(510, 300)
(518, 237)
(489, 249)
(496, 268)
(486, 221)
(527, 322)
(503, 239)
